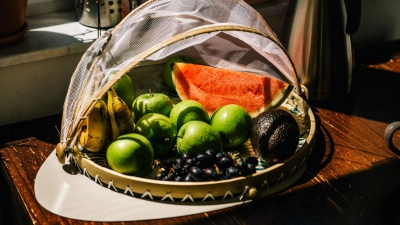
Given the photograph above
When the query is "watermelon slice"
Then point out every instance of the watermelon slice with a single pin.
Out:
(216, 87)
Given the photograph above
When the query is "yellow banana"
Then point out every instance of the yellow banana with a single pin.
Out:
(95, 129)
(121, 118)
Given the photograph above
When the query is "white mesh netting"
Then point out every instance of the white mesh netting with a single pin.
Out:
(224, 33)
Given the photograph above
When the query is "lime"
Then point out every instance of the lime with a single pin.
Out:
(233, 123)
(188, 110)
(125, 89)
(151, 103)
(196, 137)
(160, 131)
(130, 154)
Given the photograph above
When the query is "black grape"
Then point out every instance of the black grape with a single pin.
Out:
(168, 163)
(219, 155)
(186, 156)
(190, 162)
(212, 155)
(253, 160)
(243, 168)
(196, 173)
(203, 160)
(178, 178)
(252, 168)
(210, 174)
(204, 167)
(225, 162)
(232, 172)
(188, 178)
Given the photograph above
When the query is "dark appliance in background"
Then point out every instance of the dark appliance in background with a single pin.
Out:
(317, 36)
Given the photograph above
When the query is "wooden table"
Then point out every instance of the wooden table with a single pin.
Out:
(352, 177)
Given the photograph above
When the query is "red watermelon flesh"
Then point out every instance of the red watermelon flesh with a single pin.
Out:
(216, 87)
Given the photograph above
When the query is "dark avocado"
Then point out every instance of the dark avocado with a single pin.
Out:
(274, 135)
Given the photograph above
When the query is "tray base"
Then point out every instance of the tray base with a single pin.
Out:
(66, 192)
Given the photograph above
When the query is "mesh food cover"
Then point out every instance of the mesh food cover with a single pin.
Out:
(225, 33)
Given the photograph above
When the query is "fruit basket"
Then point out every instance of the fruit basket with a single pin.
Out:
(223, 34)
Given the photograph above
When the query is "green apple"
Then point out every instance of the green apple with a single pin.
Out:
(233, 123)
(188, 110)
(125, 89)
(130, 154)
(160, 131)
(196, 137)
(151, 103)
(167, 73)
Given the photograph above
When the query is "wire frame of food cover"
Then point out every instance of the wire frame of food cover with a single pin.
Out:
(225, 34)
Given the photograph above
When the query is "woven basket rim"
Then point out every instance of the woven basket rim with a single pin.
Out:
(105, 175)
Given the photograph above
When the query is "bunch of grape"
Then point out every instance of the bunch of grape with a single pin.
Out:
(207, 166)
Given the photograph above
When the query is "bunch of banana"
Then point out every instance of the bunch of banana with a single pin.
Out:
(94, 135)
(121, 118)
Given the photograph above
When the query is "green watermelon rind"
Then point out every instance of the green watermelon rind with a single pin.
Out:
(276, 102)
(281, 97)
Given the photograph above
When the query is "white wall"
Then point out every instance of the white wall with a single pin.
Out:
(380, 19)
(380, 22)
(36, 89)
(36, 7)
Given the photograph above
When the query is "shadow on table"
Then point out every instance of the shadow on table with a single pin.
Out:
(323, 150)
(375, 95)
(375, 87)
(367, 197)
